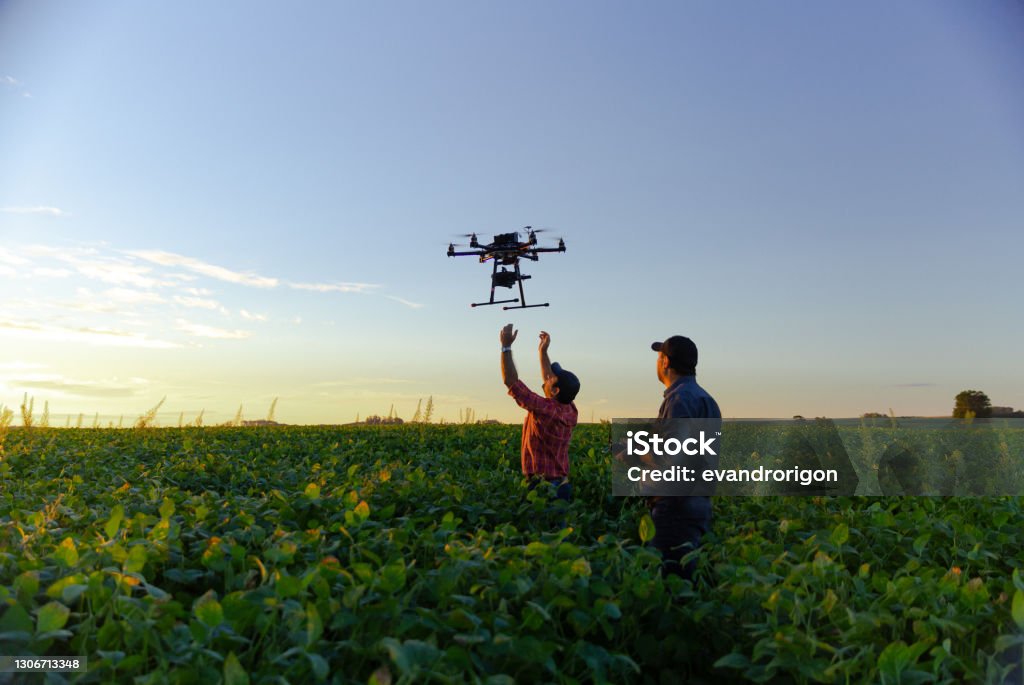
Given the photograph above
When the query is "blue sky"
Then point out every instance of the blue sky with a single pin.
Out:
(223, 203)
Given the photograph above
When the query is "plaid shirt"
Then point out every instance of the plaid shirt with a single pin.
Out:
(546, 432)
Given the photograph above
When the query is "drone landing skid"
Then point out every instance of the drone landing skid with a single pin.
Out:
(527, 306)
(484, 304)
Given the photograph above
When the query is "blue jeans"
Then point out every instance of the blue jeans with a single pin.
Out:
(679, 524)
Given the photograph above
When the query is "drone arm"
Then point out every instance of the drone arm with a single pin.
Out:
(452, 253)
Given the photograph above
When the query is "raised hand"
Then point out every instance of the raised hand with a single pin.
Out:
(507, 335)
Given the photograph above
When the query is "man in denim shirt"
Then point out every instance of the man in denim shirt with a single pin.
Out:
(679, 522)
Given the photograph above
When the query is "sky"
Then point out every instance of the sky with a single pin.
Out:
(225, 203)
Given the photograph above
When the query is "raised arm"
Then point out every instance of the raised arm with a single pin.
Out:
(509, 376)
(545, 363)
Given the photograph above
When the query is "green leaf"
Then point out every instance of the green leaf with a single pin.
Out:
(286, 585)
(893, 660)
(362, 511)
(208, 610)
(66, 553)
(314, 625)
(312, 491)
(167, 508)
(136, 559)
(392, 577)
(321, 669)
(733, 660)
(581, 567)
(113, 523)
(16, 619)
(611, 609)
(1018, 608)
(535, 549)
(52, 617)
(59, 589)
(646, 528)
(27, 584)
(840, 534)
(921, 542)
(234, 673)
(411, 655)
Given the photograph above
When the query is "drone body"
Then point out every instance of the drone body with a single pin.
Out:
(506, 250)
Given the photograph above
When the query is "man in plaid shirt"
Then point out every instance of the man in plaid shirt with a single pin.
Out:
(549, 419)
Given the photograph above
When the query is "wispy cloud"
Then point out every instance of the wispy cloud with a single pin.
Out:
(115, 272)
(203, 331)
(407, 303)
(206, 269)
(82, 388)
(8, 257)
(128, 296)
(19, 365)
(38, 209)
(93, 336)
(361, 382)
(49, 272)
(89, 263)
(11, 82)
(143, 290)
(249, 316)
(334, 287)
(915, 385)
(200, 303)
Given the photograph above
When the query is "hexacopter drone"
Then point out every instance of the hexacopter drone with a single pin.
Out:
(506, 250)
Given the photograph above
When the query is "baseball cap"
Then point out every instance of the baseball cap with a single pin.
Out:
(681, 352)
(568, 383)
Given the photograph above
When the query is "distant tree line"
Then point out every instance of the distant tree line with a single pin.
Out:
(975, 403)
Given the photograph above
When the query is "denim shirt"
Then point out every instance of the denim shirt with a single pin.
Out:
(684, 399)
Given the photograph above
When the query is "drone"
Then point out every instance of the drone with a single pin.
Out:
(506, 250)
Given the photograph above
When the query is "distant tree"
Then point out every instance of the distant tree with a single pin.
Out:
(1006, 413)
(973, 401)
(873, 415)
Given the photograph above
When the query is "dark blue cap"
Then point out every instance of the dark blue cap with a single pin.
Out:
(568, 384)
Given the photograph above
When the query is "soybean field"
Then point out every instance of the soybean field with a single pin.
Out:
(415, 553)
